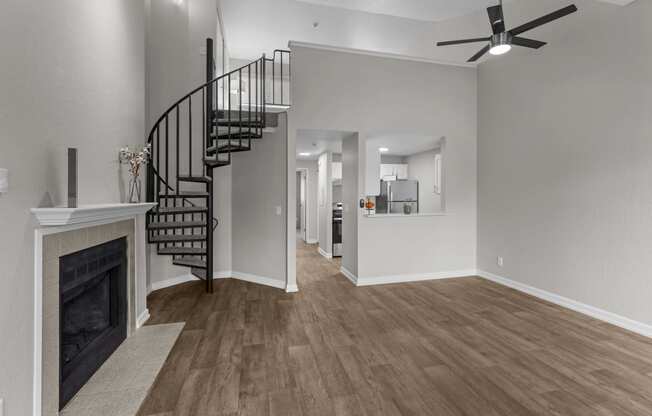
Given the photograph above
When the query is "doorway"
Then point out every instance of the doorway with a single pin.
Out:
(302, 210)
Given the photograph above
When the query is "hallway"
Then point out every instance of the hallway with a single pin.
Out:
(447, 347)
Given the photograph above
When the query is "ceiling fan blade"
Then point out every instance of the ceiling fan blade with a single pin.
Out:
(544, 19)
(479, 54)
(496, 18)
(462, 41)
(528, 43)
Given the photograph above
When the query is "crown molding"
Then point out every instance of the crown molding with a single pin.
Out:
(386, 55)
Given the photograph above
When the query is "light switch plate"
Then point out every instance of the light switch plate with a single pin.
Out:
(499, 261)
(279, 211)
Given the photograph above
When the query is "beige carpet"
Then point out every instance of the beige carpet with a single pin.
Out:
(120, 385)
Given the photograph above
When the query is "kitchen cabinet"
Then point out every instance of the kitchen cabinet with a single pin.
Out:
(399, 170)
(336, 171)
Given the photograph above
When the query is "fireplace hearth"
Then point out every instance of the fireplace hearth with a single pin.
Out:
(93, 312)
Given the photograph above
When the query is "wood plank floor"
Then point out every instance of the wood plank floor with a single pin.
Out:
(449, 347)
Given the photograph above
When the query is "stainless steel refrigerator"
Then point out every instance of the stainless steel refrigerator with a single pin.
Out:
(395, 195)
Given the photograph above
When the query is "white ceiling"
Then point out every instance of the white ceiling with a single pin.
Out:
(254, 27)
(428, 10)
(317, 142)
(404, 144)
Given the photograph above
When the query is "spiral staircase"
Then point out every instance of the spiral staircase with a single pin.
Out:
(197, 135)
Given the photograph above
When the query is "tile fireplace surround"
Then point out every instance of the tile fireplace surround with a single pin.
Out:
(64, 231)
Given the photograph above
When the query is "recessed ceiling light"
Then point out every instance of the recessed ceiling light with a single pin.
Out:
(383, 149)
(304, 154)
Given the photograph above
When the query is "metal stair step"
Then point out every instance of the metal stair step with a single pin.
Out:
(176, 224)
(229, 148)
(198, 272)
(213, 162)
(178, 210)
(203, 179)
(182, 250)
(176, 238)
(186, 194)
(190, 262)
(235, 135)
(239, 123)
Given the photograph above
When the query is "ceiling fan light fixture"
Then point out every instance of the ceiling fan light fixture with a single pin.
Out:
(500, 49)
(501, 43)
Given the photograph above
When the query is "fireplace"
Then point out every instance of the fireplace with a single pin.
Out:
(92, 313)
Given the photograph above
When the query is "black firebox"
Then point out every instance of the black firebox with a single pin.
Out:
(93, 312)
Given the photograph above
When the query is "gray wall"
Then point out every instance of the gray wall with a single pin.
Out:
(311, 166)
(430, 99)
(325, 195)
(351, 184)
(564, 162)
(72, 74)
(176, 64)
(259, 186)
(421, 167)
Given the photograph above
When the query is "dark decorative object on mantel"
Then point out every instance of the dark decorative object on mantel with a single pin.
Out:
(72, 177)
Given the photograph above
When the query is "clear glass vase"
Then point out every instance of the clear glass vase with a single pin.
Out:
(134, 190)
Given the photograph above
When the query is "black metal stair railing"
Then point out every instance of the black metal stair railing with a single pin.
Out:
(196, 135)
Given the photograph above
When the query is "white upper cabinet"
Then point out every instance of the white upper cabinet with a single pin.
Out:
(336, 171)
(391, 170)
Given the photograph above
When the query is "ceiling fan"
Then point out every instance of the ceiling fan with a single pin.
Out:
(501, 41)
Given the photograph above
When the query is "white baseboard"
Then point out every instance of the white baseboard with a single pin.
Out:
(406, 278)
(171, 282)
(606, 316)
(261, 280)
(312, 241)
(223, 274)
(144, 316)
(291, 288)
(325, 254)
(353, 278)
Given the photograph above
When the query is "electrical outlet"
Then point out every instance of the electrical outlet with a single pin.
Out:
(499, 261)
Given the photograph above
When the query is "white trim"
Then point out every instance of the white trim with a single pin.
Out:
(224, 274)
(144, 316)
(312, 241)
(171, 282)
(38, 323)
(261, 280)
(61, 216)
(291, 288)
(387, 55)
(324, 253)
(406, 278)
(305, 207)
(597, 313)
(353, 278)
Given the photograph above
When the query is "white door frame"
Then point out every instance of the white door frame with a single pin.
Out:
(304, 181)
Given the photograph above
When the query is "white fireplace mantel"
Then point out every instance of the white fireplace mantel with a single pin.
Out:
(59, 216)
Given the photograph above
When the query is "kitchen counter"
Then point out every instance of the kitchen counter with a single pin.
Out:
(425, 214)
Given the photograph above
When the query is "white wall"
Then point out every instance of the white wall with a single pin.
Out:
(72, 75)
(565, 177)
(351, 185)
(418, 98)
(259, 187)
(325, 195)
(312, 203)
(421, 167)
